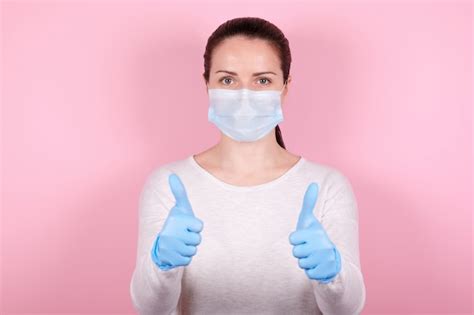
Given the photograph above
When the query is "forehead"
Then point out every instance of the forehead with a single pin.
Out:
(241, 54)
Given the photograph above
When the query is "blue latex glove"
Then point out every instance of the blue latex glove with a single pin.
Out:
(176, 243)
(317, 255)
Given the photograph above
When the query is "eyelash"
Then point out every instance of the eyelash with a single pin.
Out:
(269, 81)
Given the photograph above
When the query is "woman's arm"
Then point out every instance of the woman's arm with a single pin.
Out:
(346, 294)
(153, 290)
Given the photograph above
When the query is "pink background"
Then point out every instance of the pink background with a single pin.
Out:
(97, 94)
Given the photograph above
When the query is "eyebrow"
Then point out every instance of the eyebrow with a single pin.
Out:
(255, 74)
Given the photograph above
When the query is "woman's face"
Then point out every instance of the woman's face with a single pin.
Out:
(239, 62)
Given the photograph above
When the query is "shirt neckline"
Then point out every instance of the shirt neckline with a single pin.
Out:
(191, 160)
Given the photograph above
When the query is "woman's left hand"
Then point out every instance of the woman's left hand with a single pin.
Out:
(316, 253)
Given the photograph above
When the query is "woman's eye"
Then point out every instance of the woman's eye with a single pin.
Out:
(266, 80)
(224, 79)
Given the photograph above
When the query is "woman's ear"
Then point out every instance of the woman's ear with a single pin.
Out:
(285, 90)
(288, 81)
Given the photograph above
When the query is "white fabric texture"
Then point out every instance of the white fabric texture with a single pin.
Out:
(244, 263)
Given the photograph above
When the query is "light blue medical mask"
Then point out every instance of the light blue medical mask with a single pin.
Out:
(244, 114)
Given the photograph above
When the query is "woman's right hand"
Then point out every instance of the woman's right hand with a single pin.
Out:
(176, 243)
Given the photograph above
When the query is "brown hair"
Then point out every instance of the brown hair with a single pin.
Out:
(251, 27)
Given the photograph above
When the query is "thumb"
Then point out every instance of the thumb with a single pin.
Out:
(306, 217)
(179, 193)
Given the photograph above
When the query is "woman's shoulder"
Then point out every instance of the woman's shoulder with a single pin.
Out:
(329, 173)
(314, 166)
(161, 171)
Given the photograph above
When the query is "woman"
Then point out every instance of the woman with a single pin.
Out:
(246, 227)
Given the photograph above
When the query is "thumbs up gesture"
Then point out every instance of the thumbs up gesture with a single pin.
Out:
(312, 246)
(176, 242)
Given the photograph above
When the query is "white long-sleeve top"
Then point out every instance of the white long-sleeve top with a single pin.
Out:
(244, 263)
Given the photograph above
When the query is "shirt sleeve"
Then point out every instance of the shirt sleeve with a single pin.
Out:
(346, 294)
(153, 290)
